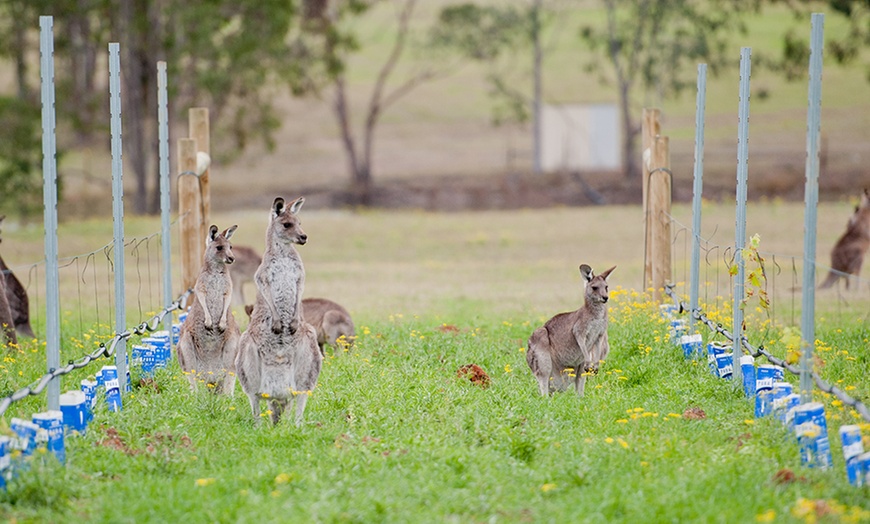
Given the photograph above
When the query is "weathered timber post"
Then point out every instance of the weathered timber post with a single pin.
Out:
(659, 215)
(190, 215)
(650, 129)
(198, 124)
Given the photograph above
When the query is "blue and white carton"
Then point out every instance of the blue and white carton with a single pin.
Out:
(676, 330)
(791, 402)
(51, 424)
(5, 459)
(863, 462)
(73, 406)
(25, 435)
(747, 369)
(113, 387)
(725, 365)
(778, 399)
(714, 349)
(765, 376)
(89, 388)
(850, 437)
(692, 345)
(668, 311)
(811, 430)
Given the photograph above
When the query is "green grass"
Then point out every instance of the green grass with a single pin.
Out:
(393, 435)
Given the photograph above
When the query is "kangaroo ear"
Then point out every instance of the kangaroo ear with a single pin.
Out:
(607, 273)
(229, 232)
(586, 272)
(296, 205)
(277, 207)
(212, 233)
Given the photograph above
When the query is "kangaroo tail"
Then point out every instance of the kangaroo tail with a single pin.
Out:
(829, 281)
(25, 329)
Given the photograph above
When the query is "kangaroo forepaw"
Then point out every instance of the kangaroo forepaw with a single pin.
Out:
(293, 327)
(276, 328)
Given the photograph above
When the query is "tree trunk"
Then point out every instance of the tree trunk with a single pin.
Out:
(360, 171)
(630, 133)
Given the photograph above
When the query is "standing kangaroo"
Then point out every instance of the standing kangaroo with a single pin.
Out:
(572, 341)
(16, 297)
(278, 356)
(848, 253)
(331, 322)
(209, 338)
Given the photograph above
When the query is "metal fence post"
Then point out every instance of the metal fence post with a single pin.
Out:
(740, 234)
(165, 209)
(811, 196)
(118, 208)
(697, 189)
(49, 195)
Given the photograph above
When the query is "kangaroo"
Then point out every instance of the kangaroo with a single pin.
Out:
(848, 253)
(278, 356)
(331, 322)
(242, 271)
(7, 327)
(574, 341)
(16, 296)
(209, 338)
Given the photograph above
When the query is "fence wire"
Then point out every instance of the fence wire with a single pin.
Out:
(699, 315)
(148, 326)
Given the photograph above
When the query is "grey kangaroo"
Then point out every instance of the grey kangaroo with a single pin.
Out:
(847, 255)
(278, 359)
(209, 338)
(572, 342)
(16, 297)
(331, 322)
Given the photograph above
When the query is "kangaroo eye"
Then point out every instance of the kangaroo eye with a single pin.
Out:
(287, 225)
(220, 248)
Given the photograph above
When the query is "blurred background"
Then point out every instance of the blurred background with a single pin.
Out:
(435, 104)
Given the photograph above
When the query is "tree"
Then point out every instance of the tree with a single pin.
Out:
(20, 156)
(339, 43)
(227, 55)
(654, 46)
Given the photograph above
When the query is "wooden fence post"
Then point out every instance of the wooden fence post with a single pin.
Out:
(190, 218)
(199, 131)
(650, 129)
(660, 181)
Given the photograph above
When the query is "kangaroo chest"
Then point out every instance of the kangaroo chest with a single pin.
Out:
(215, 287)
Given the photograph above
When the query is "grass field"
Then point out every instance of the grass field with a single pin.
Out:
(392, 434)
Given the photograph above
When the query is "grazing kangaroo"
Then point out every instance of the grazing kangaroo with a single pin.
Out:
(209, 338)
(848, 253)
(331, 322)
(278, 356)
(574, 341)
(242, 271)
(16, 296)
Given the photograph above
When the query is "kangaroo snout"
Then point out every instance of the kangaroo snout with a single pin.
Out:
(230, 260)
(303, 238)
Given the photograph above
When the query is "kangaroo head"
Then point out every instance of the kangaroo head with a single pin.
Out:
(597, 291)
(217, 247)
(284, 224)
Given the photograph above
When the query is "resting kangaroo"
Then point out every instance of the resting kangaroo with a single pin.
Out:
(209, 338)
(16, 296)
(278, 356)
(330, 320)
(575, 341)
(848, 253)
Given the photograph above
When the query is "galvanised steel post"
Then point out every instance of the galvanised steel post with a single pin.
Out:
(811, 196)
(163, 165)
(740, 234)
(118, 209)
(697, 188)
(49, 196)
